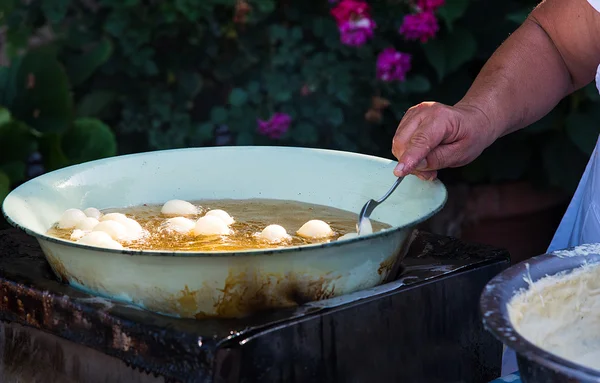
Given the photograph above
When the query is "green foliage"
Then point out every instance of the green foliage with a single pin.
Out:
(175, 73)
(36, 115)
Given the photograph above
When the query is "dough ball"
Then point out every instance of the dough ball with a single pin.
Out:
(114, 229)
(70, 218)
(77, 234)
(273, 234)
(113, 217)
(367, 228)
(211, 225)
(315, 229)
(178, 207)
(93, 212)
(348, 236)
(134, 230)
(222, 214)
(100, 239)
(87, 224)
(179, 225)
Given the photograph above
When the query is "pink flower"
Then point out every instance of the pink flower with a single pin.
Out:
(393, 65)
(429, 5)
(354, 22)
(421, 26)
(349, 9)
(356, 33)
(276, 126)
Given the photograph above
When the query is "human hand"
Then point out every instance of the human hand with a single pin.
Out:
(433, 136)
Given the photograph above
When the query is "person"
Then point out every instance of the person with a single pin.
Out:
(552, 54)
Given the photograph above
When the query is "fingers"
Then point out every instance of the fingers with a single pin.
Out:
(405, 130)
(429, 133)
(427, 175)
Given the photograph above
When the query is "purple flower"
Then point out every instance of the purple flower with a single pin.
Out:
(356, 32)
(393, 65)
(276, 126)
(350, 9)
(421, 26)
(354, 22)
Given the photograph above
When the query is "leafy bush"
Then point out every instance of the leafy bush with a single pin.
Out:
(178, 73)
(37, 116)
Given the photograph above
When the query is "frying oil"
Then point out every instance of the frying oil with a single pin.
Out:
(251, 216)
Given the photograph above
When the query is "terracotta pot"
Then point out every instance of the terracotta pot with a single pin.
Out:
(515, 216)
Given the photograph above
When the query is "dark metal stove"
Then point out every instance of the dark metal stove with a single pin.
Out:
(422, 327)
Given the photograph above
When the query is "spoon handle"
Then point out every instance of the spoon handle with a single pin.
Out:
(394, 186)
(368, 208)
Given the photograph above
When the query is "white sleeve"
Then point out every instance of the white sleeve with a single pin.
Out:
(595, 4)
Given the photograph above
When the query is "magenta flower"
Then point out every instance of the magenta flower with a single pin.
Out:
(429, 5)
(349, 9)
(421, 26)
(354, 22)
(276, 126)
(356, 33)
(393, 65)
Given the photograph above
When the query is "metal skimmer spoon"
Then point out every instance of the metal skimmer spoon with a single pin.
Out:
(365, 212)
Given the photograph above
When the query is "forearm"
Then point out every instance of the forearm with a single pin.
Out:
(523, 80)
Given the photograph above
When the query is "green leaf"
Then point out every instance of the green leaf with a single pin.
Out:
(218, 115)
(95, 102)
(519, 16)
(336, 117)
(305, 133)
(342, 142)
(436, 55)
(190, 83)
(52, 152)
(449, 53)
(452, 11)
(15, 170)
(265, 6)
(416, 84)
(8, 82)
(88, 139)
(17, 141)
(244, 139)
(6, 7)
(43, 99)
(4, 186)
(591, 91)
(17, 40)
(4, 115)
(55, 10)
(81, 67)
(204, 132)
(460, 48)
(238, 97)
(583, 130)
(254, 87)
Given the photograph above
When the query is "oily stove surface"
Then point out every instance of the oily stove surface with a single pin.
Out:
(422, 327)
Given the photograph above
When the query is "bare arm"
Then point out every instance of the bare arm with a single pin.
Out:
(554, 52)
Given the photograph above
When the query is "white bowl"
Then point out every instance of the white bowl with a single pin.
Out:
(226, 284)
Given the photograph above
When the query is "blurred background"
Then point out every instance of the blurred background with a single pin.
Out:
(86, 79)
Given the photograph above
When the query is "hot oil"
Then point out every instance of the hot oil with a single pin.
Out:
(251, 216)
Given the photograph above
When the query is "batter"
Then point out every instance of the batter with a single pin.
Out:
(561, 314)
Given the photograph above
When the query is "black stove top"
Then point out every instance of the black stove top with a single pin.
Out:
(429, 308)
